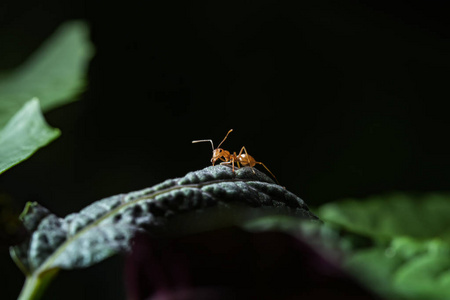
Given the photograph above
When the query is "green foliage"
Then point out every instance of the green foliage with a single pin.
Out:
(405, 268)
(397, 244)
(26, 132)
(55, 73)
(389, 216)
(409, 257)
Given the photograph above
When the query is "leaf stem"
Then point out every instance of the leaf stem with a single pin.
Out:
(36, 284)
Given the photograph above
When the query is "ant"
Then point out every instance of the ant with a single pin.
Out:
(243, 159)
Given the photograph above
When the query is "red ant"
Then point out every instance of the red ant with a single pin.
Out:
(243, 159)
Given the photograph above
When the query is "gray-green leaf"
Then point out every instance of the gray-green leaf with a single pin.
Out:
(55, 73)
(210, 198)
(25, 133)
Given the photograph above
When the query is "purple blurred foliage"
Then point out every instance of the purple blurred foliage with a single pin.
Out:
(234, 264)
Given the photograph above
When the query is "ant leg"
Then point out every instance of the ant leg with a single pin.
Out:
(237, 160)
(224, 161)
(247, 156)
(221, 158)
(227, 163)
(258, 162)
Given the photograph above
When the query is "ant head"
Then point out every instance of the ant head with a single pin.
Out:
(218, 152)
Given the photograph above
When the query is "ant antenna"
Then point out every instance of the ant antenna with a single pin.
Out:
(199, 141)
(212, 145)
(225, 137)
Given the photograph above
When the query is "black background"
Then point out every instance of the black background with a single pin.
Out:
(338, 98)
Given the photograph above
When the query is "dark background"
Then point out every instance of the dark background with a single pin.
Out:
(338, 98)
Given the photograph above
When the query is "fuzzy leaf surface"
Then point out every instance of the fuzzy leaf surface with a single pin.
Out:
(213, 197)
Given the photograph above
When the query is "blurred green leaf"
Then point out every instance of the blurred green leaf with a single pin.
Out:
(25, 133)
(283, 223)
(390, 216)
(409, 256)
(54, 73)
(405, 269)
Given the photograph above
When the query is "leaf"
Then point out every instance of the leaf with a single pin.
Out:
(390, 216)
(25, 133)
(214, 197)
(409, 253)
(406, 268)
(55, 73)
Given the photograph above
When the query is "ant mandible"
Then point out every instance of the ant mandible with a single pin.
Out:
(243, 159)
